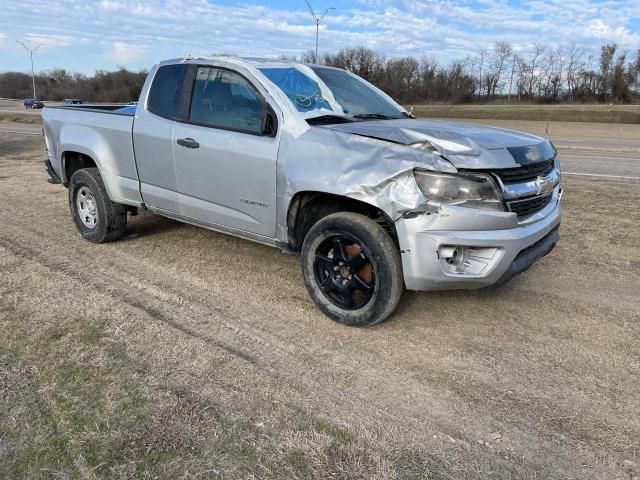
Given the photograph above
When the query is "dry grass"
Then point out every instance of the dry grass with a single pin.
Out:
(181, 353)
(627, 114)
(613, 114)
(20, 117)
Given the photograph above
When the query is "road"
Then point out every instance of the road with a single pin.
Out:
(580, 154)
(538, 379)
(19, 109)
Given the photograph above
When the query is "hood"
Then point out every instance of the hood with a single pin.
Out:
(465, 145)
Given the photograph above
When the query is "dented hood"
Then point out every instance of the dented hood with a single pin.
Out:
(463, 144)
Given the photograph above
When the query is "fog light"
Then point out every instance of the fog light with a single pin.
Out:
(463, 260)
(452, 255)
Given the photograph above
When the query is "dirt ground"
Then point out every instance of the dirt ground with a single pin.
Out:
(183, 353)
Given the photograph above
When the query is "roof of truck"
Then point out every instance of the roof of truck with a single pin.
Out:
(254, 61)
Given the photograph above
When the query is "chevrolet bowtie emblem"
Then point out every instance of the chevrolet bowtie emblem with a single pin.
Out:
(545, 185)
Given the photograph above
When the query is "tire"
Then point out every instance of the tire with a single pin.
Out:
(357, 281)
(97, 218)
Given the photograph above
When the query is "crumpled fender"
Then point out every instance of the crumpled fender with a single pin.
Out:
(373, 171)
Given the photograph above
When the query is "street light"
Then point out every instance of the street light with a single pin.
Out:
(31, 52)
(318, 20)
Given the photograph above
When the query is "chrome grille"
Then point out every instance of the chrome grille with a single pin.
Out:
(528, 206)
(525, 173)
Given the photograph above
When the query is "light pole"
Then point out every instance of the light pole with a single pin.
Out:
(318, 20)
(33, 74)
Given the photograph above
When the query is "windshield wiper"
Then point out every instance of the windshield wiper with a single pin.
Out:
(376, 116)
(328, 120)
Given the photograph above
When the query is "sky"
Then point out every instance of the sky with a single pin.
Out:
(88, 35)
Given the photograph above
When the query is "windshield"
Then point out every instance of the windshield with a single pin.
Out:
(302, 90)
(348, 94)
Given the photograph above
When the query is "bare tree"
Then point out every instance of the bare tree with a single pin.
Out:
(500, 55)
(634, 70)
(532, 68)
(607, 54)
(481, 60)
(575, 64)
(621, 81)
(514, 62)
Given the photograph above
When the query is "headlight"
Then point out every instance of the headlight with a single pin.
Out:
(462, 190)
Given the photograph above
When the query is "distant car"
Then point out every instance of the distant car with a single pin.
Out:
(72, 101)
(132, 104)
(33, 103)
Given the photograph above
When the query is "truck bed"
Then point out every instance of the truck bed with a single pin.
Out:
(102, 133)
(117, 109)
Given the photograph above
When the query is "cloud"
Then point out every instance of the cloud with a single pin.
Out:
(134, 31)
(2, 37)
(123, 53)
(48, 40)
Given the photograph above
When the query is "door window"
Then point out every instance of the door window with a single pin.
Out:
(224, 99)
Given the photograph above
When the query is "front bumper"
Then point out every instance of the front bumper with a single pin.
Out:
(512, 247)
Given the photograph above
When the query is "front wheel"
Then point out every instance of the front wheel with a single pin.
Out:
(352, 269)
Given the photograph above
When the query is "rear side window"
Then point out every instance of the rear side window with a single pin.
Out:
(166, 89)
(225, 99)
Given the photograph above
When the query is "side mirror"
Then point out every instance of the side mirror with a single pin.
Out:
(269, 121)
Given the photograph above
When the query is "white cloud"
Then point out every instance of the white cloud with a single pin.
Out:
(52, 40)
(110, 6)
(123, 53)
(2, 37)
(135, 31)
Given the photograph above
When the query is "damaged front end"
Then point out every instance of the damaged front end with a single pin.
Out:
(377, 172)
(464, 208)
(465, 165)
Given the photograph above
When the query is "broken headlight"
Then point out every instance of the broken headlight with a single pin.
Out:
(462, 190)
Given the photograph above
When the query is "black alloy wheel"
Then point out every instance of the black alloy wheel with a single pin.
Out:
(344, 273)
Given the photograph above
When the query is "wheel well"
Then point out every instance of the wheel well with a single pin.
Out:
(74, 161)
(306, 208)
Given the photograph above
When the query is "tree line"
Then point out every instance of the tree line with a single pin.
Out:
(545, 74)
(119, 86)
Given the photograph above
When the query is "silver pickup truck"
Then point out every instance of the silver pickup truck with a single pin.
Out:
(314, 160)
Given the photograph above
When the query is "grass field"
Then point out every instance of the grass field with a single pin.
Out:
(622, 114)
(182, 353)
(555, 113)
(19, 117)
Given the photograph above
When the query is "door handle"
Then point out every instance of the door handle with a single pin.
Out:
(188, 143)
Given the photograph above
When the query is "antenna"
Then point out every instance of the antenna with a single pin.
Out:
(31, 52)
(318, 20)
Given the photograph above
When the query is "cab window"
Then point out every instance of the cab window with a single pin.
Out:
(166, 89)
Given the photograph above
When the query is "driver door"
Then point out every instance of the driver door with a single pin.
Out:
(225, 165)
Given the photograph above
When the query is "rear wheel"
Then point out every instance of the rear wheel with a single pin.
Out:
(352, 269)
(97, 218)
